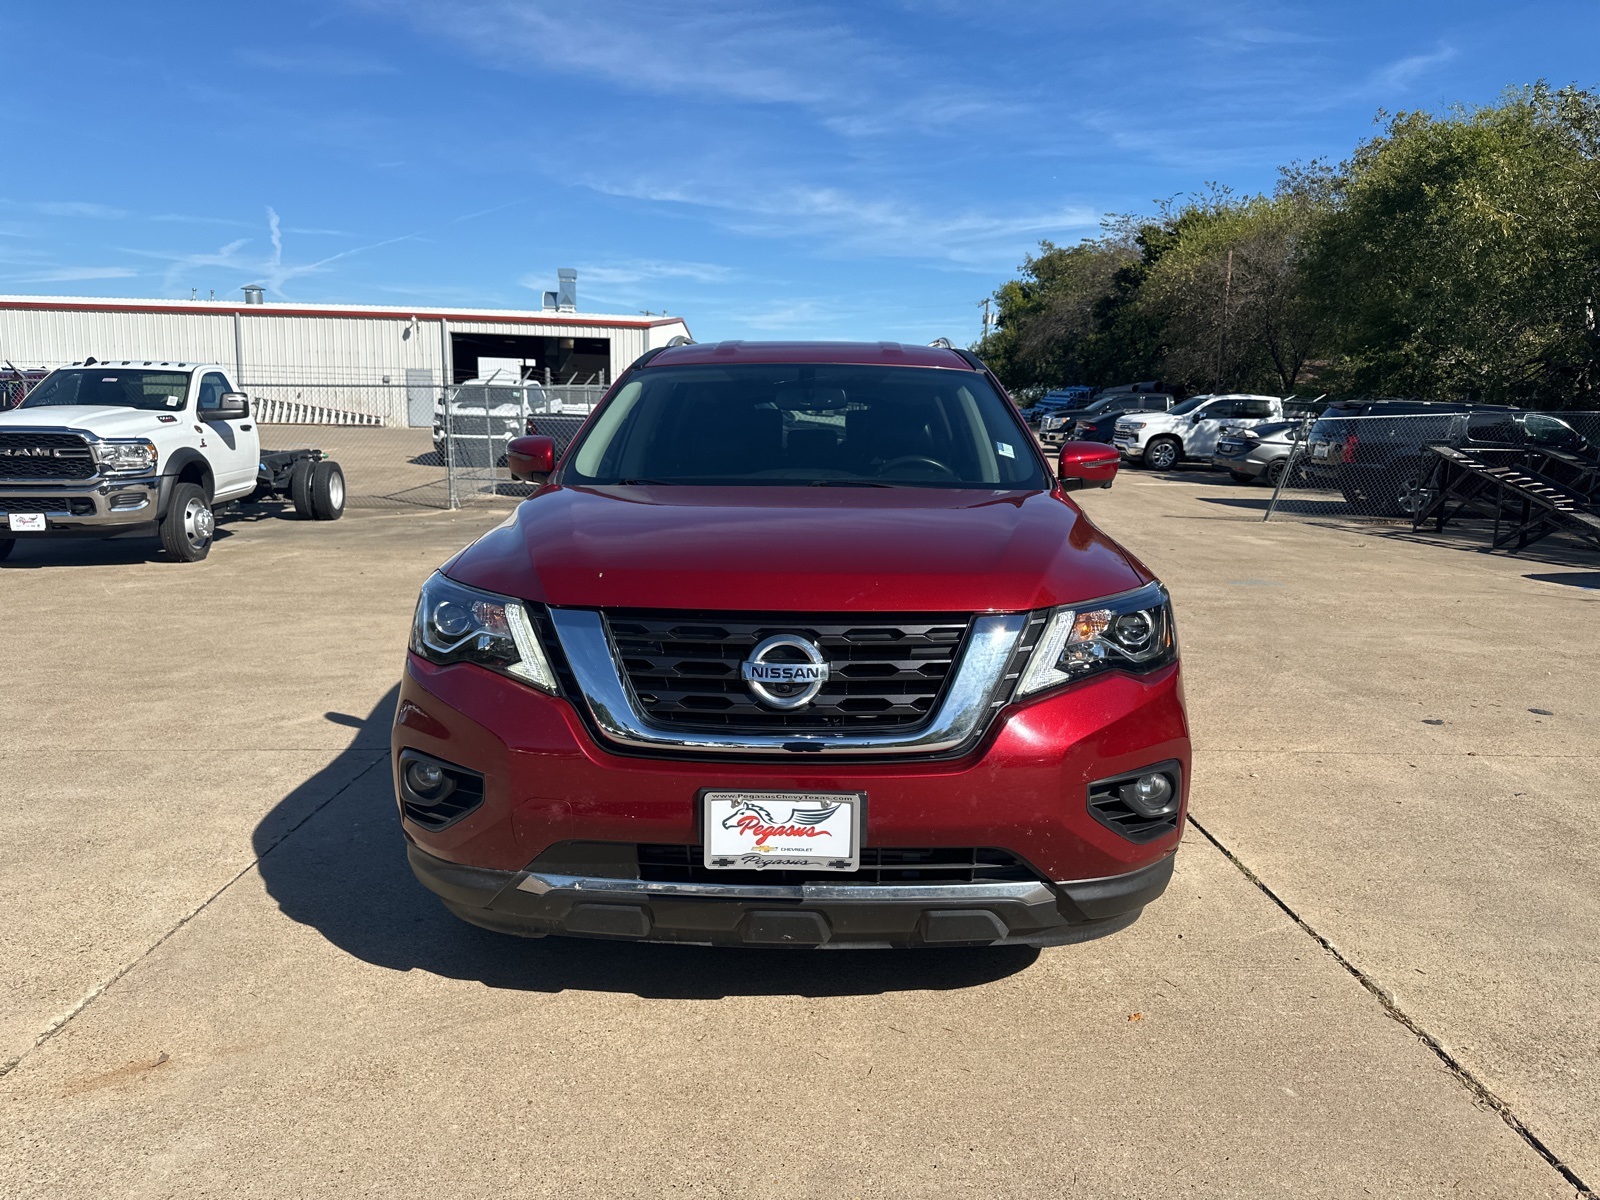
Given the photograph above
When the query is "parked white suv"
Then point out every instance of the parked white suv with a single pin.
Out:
(110, 448)
(1189, 430)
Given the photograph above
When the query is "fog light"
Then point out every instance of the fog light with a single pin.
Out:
(426, 779)
(1150, 795)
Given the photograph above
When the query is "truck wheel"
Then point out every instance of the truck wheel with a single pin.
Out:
(300, 488)
(1163, 453)
(327, 491)
(187, 529)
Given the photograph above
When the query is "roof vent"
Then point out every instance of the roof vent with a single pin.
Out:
(567, 290)
(254, 294)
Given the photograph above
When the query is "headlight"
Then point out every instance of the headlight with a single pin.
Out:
(456, 624)
(1131, 632)
(131, 456)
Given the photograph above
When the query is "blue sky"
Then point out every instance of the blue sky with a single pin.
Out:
(766, 170)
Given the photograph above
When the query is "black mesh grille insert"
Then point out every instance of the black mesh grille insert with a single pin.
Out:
(884, 672)
(27, 455)
(77, 506)
(959, 864)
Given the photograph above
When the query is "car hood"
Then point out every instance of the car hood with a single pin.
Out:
(102, 420)
(783, 549)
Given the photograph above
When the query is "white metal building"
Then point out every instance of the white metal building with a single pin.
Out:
(383, 364)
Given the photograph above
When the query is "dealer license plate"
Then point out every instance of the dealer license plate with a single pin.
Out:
(763, 831)
(27, 523)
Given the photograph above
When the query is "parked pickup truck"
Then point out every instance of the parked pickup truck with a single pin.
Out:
(103, 449)
(1189, 430)
(801, 644)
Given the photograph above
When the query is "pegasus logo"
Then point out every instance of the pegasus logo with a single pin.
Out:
(759, 822)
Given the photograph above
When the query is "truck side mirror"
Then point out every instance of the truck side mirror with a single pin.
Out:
(531, 457)
(1086, 465)
(231, 406)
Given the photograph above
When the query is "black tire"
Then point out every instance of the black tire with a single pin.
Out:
(1163, 453)
(7, 545)
(300, 488)
(1274, 472)
(188, 527)
(1241, 477)
(327, 491)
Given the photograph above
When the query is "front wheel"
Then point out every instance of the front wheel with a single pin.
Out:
(1162, 454)
(189, 525)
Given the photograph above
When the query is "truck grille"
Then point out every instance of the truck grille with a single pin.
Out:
(884, 672)
(45, 456)
(956, 864)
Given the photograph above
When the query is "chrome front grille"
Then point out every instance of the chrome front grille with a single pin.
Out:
(884, 672)
(26, 455)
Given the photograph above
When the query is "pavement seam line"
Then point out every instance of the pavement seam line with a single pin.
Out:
(100, 988)
(1462, 1073)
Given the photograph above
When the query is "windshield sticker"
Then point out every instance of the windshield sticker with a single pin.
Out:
(109, 379)
(173, 402)
(1005, 450)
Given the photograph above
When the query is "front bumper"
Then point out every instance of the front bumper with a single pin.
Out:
(103, 505)
(549, 781)
(539, 901)
(1130, 447)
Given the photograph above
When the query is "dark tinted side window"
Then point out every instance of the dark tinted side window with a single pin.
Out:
(211, 389)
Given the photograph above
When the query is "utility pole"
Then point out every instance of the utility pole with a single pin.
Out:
(1222, 330)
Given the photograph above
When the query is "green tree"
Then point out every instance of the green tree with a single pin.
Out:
(1460, 255)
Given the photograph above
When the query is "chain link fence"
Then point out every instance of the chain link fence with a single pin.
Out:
(1536, 473)
(414, 444)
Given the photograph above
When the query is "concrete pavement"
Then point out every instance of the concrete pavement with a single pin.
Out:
(240, 990)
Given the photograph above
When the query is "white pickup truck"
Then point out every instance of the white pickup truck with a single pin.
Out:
(102, 449)
(1189, 430)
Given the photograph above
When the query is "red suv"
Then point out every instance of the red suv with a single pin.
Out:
(802, 644)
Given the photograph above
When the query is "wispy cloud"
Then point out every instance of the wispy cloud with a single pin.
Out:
(73, 275)
(639, 270)
(316, 60)
(77, 208)
(1401, 74)
(798, 55)
(272, 270)
(846, 223)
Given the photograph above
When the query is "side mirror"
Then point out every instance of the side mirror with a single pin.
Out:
(231, 406)
(1087, 464)
(531, 457)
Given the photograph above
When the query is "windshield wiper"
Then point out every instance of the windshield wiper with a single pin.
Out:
(645, 483)
(851, 483)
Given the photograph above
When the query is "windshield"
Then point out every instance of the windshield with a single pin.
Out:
(795, 425)
(161, 391)
(1188, 406)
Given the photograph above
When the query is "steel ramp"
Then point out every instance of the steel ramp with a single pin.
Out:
(1530, 492)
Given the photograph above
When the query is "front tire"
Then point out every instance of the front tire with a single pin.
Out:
(327, 491)
(188, 527)
(1162, 454)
